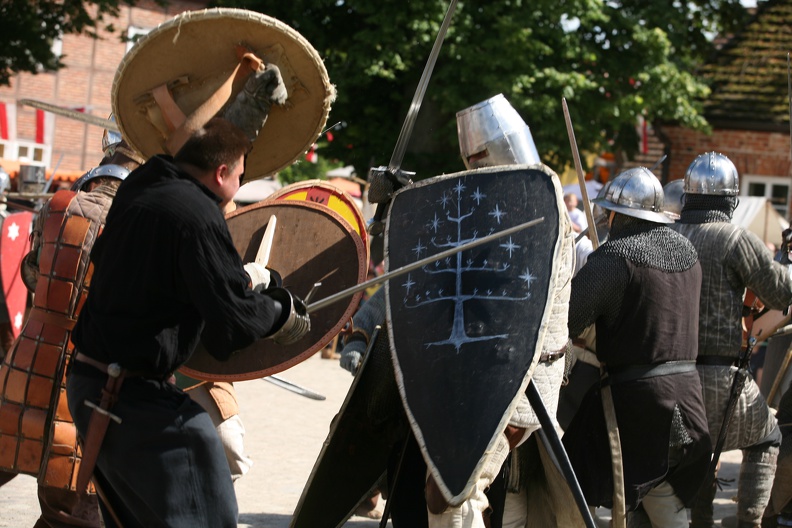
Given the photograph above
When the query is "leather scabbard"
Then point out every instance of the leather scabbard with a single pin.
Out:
(97, 427)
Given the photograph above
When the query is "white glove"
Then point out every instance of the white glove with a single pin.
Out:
(259, 276)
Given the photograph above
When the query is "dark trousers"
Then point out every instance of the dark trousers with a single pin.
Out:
(163, 465)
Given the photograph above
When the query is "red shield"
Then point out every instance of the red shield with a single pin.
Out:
(14, 245)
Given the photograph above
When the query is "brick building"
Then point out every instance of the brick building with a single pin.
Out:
(748, 111)
(28, 136)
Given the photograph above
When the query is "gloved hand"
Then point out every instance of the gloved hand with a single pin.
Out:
(259, 276)
(352, 355)
(250, 108)
(294, 322)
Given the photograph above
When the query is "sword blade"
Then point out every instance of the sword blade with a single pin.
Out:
(71, 114)
(415, 106)
(415, 265)
(262, 257)
(592, 229)
(293, 387)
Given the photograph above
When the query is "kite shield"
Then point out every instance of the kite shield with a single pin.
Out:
(312, 244)
(467, 331)
(14, 245)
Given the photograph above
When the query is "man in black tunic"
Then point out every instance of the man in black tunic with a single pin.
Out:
(166, 275)
(641, 290)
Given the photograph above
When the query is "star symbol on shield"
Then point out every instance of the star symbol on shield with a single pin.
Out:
(13, 231)
(18, 320)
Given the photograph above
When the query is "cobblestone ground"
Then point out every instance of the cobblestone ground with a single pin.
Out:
(284, 436)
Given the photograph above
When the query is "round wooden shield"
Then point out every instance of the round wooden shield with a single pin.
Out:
(327, 194)
(193, 54)
(312, 244)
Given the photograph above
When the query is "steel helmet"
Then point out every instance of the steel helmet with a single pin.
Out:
(673, 192)
(102, 171)
(712, 173)
(635, 192)
(493, 133)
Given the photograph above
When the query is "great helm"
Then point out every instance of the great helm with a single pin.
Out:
(635, 192)
(673, 192)
(712, 173)
(102, 171)
(493, 133)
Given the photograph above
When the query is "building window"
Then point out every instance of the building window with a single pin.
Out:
(133, 35)
(777, 190)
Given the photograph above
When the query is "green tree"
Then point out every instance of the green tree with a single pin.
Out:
(612, 60)
(28, 29)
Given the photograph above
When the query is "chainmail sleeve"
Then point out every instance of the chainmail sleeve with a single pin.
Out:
(597, 292)
(751, 264)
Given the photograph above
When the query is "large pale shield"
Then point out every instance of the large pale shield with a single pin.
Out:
(312, 244)
(195, 63)
(355, 454)
(467, 331)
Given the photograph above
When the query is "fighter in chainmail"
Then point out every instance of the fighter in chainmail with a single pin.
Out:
(63, 235)
(634, 288)
(779, 508)
(732, 260)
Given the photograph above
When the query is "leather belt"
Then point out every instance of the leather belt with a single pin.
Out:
(721, 361)
(636, 372)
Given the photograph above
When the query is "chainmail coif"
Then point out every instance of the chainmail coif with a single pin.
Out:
(703, 209)
(651, 245)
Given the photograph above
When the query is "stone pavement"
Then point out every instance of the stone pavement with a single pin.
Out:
(285, 432)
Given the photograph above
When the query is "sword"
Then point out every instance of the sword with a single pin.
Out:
(71, 114)
(592, 229)
(417, 264)
(288, 385)
(549, 437)
(396, 176)
(736, 388)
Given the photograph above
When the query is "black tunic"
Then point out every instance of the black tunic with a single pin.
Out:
(643, 316)
(166, 274)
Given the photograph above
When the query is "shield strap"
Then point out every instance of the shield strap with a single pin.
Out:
(185, 126)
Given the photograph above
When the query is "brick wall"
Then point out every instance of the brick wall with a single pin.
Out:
(84, 82)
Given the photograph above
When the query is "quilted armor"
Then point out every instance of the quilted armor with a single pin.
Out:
(37, 436)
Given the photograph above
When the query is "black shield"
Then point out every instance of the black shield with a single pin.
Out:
(467, 330)
(355, 454)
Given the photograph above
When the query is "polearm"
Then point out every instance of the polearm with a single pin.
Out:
(71, 114)
(592, 229)
(415, 265)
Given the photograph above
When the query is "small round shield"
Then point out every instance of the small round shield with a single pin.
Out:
(187, 61)
(312, 244)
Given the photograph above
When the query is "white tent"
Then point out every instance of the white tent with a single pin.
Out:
(256, 190)
(758, 215)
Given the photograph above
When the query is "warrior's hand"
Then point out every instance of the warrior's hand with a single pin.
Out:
(293, 323)
(259, 276)
(352, 355)
(250, 109)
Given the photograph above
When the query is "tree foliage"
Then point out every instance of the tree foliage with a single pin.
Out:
(612, 61)
(29, 28)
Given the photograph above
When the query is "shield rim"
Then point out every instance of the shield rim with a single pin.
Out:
(162, 32)
(456, 500)
(332, 332)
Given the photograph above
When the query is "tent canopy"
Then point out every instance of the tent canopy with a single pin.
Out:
(757, 214)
